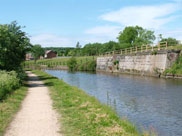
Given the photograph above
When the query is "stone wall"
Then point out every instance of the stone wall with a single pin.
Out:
(142, 63)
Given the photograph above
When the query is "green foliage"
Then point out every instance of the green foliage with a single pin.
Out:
(37, 51)
(72, 64)
(135, 36)
(10, 106)
(13, 46)
(89, 65)
(171, 41)
(116, 62)
(91, 49)
(176, 68)
(154, 53)
(8, 82)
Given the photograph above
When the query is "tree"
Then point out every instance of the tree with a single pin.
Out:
(37, 51)
(92, 49)
(135, 36)
(78, 46)
(110, 46)
(77, 50)
(170, 40)
(14, 44)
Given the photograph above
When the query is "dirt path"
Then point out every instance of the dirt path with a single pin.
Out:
(36, 117)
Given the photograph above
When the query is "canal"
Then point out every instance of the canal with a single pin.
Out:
(150, 103)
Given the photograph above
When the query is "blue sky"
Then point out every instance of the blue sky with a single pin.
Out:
(62, 23)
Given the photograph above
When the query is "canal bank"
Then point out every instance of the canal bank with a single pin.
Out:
(83, 114)
(150, 103)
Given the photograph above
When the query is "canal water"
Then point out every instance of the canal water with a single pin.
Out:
(150, 103)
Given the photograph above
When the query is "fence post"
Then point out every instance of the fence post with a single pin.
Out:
(159, 46)
(166, 45)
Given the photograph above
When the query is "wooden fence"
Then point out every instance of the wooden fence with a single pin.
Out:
(144, 48)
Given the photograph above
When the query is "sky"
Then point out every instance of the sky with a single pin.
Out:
(62, 23)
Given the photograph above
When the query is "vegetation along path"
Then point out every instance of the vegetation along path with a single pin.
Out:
(36, 117)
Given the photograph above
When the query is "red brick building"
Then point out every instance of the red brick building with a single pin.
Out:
(50, 54)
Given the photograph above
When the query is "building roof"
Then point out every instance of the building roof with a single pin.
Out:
(48, 51)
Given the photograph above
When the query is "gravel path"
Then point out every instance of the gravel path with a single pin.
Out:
(36, 117)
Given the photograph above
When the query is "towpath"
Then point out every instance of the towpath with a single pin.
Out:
(36, 116)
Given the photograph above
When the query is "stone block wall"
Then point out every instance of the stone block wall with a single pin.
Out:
(146, 62)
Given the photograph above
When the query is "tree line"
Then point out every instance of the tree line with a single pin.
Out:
(131, 36)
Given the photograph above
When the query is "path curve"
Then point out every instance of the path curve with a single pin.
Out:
(36, 117)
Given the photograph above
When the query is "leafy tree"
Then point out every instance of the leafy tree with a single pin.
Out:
(92, 49)
(135, 36)
(110, 46)
(171, 41)
(37, 51)
(14, 44)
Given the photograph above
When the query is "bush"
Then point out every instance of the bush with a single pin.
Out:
(8, 83)
(72, 64)
(176, 68)
(91, 65)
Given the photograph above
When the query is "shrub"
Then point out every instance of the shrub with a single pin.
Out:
(91, 65)
(154, 53)
(8, 83)
(72, 64)
(116, 62)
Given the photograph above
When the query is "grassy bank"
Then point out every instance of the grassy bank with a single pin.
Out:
(83, 115)
(60, 61)
(82, 63)
(9, 106)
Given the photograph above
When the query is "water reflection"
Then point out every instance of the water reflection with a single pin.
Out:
(149, 102)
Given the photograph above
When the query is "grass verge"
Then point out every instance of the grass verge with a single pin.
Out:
(84, 115)
(10, 106)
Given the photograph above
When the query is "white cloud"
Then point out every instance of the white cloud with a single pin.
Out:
(175, 33)
(106, 31)
(50, 40)
(145, 16)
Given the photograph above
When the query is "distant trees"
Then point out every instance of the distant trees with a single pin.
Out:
(37, 51)
(131, 36)
(135, 36)
(62, 51)
(14, 44)
(170, 40)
